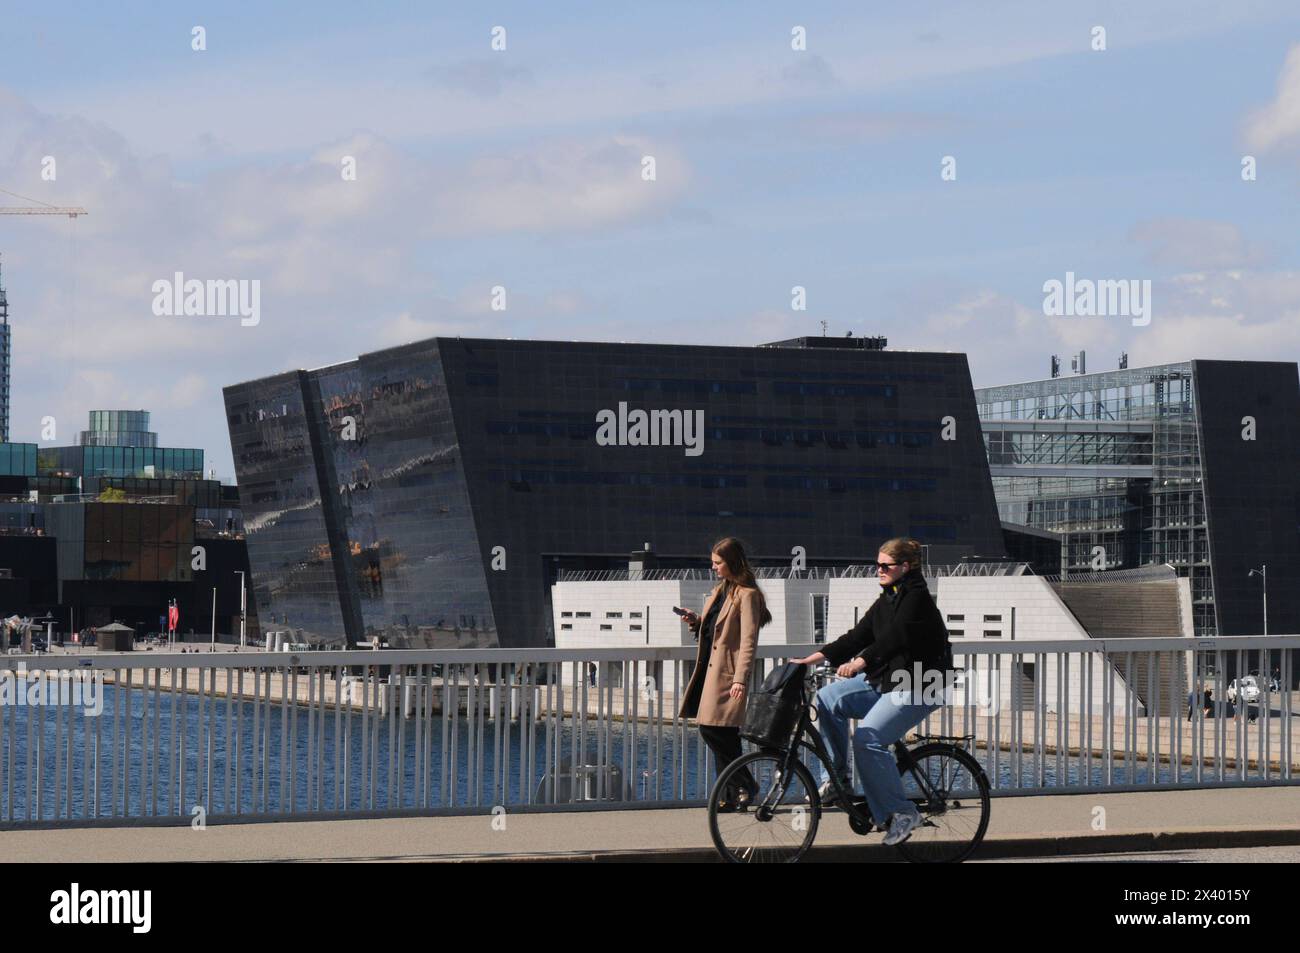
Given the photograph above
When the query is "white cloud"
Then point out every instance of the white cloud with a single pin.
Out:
(1278, 123)
(333, 256)
(1231, 314)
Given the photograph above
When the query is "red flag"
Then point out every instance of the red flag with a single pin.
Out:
(173, 617)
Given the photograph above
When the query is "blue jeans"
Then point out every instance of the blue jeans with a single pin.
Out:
(882, 720)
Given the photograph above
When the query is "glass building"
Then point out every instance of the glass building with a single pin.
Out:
(119, 428)
(430, 494)
(148, 462)
(1191, 464)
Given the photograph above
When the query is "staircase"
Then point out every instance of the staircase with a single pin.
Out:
(1135, 610)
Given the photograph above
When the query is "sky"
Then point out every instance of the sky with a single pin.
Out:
(920, 173)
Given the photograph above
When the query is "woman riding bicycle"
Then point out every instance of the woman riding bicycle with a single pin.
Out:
(900, 638)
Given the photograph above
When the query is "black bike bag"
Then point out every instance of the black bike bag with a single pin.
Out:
(773, 711)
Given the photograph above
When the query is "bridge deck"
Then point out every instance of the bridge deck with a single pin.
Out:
(1020, 826)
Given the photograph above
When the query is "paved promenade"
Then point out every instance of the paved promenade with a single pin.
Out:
(1020, 827)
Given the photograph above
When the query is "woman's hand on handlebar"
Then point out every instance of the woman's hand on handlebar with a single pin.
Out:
(853, 666)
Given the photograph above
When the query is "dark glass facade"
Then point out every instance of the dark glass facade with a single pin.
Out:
(447, 480)
(126, 542)
(18, 459)
(293, 577)
(1252, 497)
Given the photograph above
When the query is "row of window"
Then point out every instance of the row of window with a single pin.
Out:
(772, 437)
(524, 480)
(608, 615)
(634, 627)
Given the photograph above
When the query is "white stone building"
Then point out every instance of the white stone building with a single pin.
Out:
(1001, 605)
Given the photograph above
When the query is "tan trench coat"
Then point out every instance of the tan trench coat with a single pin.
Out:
(731, 659)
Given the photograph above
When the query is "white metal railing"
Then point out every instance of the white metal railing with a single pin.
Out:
(855, 571)
(275, 735)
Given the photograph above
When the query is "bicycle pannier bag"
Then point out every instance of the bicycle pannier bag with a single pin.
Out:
(773, 710)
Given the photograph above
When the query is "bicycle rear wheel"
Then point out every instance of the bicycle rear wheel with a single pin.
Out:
(780, 822)
(956, 816)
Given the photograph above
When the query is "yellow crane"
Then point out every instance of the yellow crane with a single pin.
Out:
(42, 208)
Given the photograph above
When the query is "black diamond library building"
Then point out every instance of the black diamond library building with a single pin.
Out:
(430, 494)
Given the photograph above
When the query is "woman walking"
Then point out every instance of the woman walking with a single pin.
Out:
(727, 632)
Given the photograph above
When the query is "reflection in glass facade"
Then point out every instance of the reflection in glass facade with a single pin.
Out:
(111, 461)
(18, 459)
(119, 428)
(1118, 460)
(293, 572)
(138, 543)
(447, 481)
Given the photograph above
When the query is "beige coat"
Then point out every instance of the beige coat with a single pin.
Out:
(731, 659)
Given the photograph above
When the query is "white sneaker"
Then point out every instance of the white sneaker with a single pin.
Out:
(901, 827)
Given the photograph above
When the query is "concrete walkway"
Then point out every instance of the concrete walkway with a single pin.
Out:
(1020, 826)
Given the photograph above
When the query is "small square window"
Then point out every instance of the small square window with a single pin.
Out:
(956, 618)
(993, 618)
(956, 633)
(992, 633)
(606, 628)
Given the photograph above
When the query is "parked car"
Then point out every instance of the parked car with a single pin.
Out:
(1246, 686)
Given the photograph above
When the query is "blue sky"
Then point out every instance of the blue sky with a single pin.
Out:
(521, 168)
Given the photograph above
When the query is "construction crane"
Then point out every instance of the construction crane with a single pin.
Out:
(42, 208)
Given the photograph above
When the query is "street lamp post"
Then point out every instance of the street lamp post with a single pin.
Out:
(243, 609)
(1262, 572)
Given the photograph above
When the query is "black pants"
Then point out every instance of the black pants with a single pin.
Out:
(725, 744)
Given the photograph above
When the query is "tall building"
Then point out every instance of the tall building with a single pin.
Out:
(1192, 464)
(430, 494)
(4, 363)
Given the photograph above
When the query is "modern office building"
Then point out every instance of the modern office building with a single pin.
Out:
(1192, 464)
(430, 494)
(115, 528)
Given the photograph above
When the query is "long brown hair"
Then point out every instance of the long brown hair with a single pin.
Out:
(733, 554)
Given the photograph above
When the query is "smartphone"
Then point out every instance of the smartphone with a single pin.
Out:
(681, 612)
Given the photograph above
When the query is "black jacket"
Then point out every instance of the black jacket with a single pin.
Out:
(901, 628)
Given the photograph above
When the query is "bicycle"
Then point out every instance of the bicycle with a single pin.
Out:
(780, 821)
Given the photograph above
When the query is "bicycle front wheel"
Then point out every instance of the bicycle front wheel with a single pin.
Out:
(952, 794)
(780, 821)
